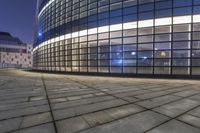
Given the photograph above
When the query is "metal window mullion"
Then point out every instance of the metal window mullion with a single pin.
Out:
(191, 41)
(172, 39)
(153, 69)
(109, 40)
(122, 69)
(137, 54)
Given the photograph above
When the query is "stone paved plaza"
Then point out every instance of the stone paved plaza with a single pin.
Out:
(49, 103)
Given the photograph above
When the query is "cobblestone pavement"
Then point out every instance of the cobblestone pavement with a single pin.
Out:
(49, 103)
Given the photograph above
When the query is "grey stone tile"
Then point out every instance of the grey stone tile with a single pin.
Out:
(58, 100)
(195, 112)
(46, 128)
(186, 93)
(64, 113)
(37, 98)
(74, 98)
(98, 106)
(100, 94)
(151, 103)
(134, 124)
(160, 88)
(71, 125)
(6, 107)
(130, 99)
(132, 93)
(81, 102)
(122, 90)
(190, 119)
(97, 118)
(22, 112)
(152, 95)
(69, 94)
(175, 126)
(176, 108)
(12, 101)
(176, 89)
(10, 125)
(37, 119)
(88, 95)
(195, 97)
(123, 111)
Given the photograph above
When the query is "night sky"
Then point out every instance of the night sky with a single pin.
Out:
(18, 18)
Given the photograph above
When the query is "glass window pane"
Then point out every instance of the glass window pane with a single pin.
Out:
(181, 70)
(144, 31)
(163, 29)
(181, 28)
(163, 37)
(181, 36)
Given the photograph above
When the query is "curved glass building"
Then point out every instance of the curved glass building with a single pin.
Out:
(155, 37)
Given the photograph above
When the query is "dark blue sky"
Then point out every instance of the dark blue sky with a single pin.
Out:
(18, 18)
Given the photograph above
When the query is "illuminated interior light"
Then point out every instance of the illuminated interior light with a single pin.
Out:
(67, 36)
(103, 29)
(182, 19)
(40, 45)
(130, 25)
(62, 37)
(145, 23)
(83, 33)
(92, 31)
(163, 21)
(196, 18)
(75, 34)
(163, 54)
(144, 57)
(133, 53)
(57, 39)
(39, 34)
(116, 27)
(119, 61)
(52, 40)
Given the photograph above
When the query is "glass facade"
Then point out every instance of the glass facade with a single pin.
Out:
(119, 36)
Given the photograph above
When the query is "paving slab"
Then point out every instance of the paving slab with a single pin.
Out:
(195, 97)
(154, 102)
(22, 112)
(98, 106)
(152, 95)
(123, 111)
(64, 113)
(86, 101)
(177, 108)
(97, 118)
(138, 123)
(10, 124)
(71, 125)
(37, 119)
(190, 119)
(175, 126)
(186, 93)
(46, 128)
(195, 112)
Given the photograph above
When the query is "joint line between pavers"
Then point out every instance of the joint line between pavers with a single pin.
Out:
(51, 111)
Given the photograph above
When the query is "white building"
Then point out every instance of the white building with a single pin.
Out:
(14, 53)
